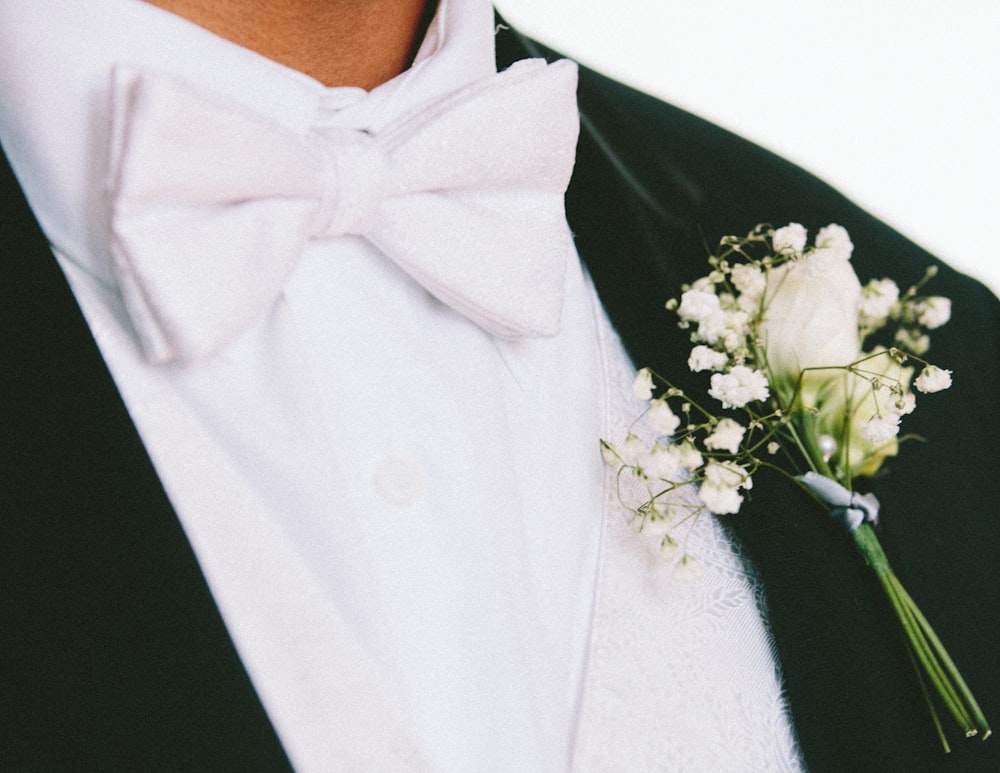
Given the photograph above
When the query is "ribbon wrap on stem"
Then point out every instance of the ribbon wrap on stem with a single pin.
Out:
(851, 507)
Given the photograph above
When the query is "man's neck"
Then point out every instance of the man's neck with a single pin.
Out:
(338, 42)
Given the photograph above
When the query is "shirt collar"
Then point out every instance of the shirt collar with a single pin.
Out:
(56, 59)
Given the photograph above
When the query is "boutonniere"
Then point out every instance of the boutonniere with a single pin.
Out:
(812, 374)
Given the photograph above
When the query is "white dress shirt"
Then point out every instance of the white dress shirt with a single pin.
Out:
(401, 518)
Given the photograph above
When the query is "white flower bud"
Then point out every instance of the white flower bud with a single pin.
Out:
(705, 358)
(610, 454)
(697, 304)
(686, 455)
(726, 436)
(739, 386)
(790, 240)
(933, 312)
(642, 387)
(748, 279)
(932, 379)
(881, 429)
(719, 491)
(661, 418)
(877, 299)
(660, 464)
(913, 341)
(632, 450)
(835, 241)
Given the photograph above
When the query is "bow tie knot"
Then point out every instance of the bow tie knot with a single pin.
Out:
(355, 180)
(212, 204)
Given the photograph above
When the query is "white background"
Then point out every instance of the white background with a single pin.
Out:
(897, 104)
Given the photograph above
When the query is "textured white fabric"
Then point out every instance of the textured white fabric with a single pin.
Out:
(401, 517)
(681, 673)
(465, 194)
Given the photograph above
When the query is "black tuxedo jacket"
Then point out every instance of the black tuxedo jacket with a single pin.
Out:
(115, 657)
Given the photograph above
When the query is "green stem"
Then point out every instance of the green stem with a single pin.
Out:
(978, 720)
(930, 703)
(927, 655)
(926, 648)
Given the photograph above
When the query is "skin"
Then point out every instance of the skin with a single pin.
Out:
(338, 42)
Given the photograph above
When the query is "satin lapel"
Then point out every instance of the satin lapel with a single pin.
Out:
(639, 204)
(120, 659)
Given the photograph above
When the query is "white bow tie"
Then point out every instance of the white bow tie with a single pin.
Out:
(212, 203)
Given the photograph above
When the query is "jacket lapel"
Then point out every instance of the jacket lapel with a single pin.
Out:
(120, 652)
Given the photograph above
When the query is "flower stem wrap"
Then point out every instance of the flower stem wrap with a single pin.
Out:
(852, 508)
(934, 665)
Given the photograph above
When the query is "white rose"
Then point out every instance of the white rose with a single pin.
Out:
(811, 316)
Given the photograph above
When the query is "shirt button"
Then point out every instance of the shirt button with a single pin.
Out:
(398, 481)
